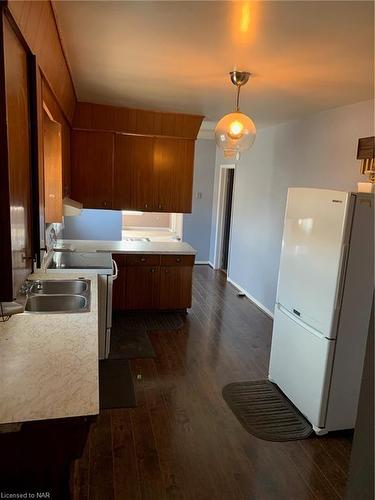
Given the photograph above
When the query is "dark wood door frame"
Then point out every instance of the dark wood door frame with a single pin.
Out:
(6, 281)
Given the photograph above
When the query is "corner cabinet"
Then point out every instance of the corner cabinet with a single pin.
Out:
(153, 282)
(92, 168)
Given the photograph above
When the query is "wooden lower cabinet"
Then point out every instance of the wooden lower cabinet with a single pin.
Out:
(175, 287)
(151, 282)
(142, 284)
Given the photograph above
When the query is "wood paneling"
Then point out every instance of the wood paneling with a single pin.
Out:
(37, 23)
(54, 109)
(175, 287)
(16, 261)
(52, 169)
(136, 121)
(92, 168)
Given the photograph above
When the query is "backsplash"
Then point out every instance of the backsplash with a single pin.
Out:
(93, 225)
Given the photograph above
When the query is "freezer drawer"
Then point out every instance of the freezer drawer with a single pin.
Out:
(300, 365)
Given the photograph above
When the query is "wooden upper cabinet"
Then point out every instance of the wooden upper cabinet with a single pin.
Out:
(173, 174)
(92, 155)
(152, 158)
(133, 170)
(52, 156)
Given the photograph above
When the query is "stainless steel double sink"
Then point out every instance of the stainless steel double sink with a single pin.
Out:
(58, 296)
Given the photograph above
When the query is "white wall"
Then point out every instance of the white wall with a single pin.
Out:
(197, 225)
(318, 151)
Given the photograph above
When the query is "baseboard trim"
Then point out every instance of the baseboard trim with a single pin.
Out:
(211, 265)
(201, 262)
(250, 297)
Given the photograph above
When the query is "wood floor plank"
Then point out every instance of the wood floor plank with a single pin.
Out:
(150, 476)
(101, 460)
(125, 470)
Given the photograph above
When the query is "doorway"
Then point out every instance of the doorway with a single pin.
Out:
(224, 218)
(228, 199)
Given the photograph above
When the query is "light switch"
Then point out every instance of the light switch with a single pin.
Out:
(198, 196)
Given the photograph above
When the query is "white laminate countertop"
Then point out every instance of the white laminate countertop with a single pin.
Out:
(128, 247)
(49, 362)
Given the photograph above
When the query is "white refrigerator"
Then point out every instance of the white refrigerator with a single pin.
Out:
(323, 304)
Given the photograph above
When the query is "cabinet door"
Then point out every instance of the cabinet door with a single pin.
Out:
(173, 174)
(142, 287)
(92, 168)
(141, 162)
(122, 173)
(133, 186)
(175, 287)
(52, 155)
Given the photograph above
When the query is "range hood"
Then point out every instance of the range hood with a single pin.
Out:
(71, 207)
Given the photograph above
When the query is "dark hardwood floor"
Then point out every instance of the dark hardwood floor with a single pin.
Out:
(182, 441)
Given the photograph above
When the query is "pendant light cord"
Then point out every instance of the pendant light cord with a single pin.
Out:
(238, 98)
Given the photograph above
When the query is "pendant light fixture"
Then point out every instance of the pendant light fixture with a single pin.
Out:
(235, 132)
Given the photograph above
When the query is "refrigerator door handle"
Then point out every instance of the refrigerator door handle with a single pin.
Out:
(301, 323)
(340, 288)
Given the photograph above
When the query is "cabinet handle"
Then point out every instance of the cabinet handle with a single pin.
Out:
(178, 259)
(146, 205)
(166, 271)
(152, 270)
(143, 259)
(104, 203)
(160, 206)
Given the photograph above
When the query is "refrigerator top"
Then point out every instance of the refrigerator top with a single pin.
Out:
(314, 245)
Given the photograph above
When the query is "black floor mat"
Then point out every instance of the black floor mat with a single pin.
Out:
(163, 321)
(116, 388)
(264, 411)
(150, 321)
(130, 344)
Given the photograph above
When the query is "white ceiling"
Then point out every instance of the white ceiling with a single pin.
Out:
(305, 56)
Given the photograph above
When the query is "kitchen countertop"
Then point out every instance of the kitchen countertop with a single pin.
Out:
(49, 362)
(127, 247)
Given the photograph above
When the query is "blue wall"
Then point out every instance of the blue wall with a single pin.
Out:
(93, 225)
(197, 225)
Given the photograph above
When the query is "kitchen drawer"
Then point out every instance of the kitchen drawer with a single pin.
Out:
(177, 260)
(120, 259)
(143, 260)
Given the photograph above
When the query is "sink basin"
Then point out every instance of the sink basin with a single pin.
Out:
(57, 303)
(47, 287)
(134, 238)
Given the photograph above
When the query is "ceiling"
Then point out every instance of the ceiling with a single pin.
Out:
(305, 56)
